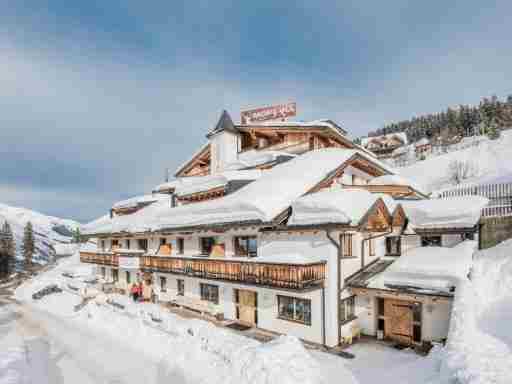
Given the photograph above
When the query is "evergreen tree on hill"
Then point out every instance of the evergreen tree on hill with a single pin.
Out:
(28, 245)
(8, 245)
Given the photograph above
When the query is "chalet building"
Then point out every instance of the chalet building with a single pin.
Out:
(279, 233)
(384, 145)
(422, 148)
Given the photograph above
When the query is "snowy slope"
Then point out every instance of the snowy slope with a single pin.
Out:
(48, 230)
(490, 161)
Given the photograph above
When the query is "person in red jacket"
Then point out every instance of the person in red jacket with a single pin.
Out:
(135, 292)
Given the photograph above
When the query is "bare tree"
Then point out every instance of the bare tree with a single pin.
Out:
(459, 170)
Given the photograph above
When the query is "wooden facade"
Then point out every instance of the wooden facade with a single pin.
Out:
(100, 258)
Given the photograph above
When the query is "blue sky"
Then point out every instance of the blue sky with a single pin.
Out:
(99, 97)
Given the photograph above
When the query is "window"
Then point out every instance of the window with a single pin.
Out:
(128, 277)
(431, 241)
(143, 244)
(246, 246)
(346, 244)
(115, 243)
(103, 272)
(210, 293)
(181, 287)
(393, 245)
(416, 322)
(163, 284)
(115, 275)
(180, 243)
(102, 245)
(467, 236)
(128, 243)
(206, 245)
(371, 247)
(294, 309)
(163, 241)
(347, 309)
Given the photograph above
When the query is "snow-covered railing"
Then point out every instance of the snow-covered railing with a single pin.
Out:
(499, 195)
(286, 276)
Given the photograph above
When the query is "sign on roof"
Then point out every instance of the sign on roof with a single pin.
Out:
(274, 112)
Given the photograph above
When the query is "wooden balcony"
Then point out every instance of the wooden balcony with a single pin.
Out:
(102, 258)
(283, 276)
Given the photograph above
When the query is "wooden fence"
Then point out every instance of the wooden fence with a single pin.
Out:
(499, 195)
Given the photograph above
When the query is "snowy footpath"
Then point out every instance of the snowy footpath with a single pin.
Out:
(46, 341)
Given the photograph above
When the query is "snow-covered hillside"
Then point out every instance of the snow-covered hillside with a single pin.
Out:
(489, 162)
(48, 230)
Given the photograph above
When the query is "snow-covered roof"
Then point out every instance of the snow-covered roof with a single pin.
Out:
(400, 135)
(138, 200)
(428, 269)
(400, 150)
(396, 180)
(203, 147)
(298, 251)
(342, 206)
(253, 158)
(423, 141)
(453, 212)
(205, 183)
(261, 200)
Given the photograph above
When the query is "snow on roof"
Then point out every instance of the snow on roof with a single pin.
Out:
(423, 141)
(400, 135)
(428, 269)
(138, 200)
(254, 158)
(453, 212)
(298, 251)
(261, 200)
(326, 123)
(396, 180)
(205, 183)
(343, 206)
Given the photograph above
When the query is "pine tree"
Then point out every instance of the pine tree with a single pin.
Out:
(77, 237)
(8, 244)
(28, 245)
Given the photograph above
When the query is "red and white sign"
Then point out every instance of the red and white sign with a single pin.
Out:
(274, 112)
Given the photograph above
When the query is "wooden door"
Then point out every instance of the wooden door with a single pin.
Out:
(247, 304)
(398, 321)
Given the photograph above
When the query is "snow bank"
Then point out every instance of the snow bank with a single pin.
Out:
(437, 269)
(453, 212)
(342, 206)
(479, 348)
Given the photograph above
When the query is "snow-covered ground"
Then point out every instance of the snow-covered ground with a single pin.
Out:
(46, 341)
(479, 348)
(48, 230)
(489, 162)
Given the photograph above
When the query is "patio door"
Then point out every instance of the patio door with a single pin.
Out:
(399, 321)
(247, 303)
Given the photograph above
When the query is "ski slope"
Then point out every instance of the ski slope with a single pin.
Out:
(48, 230)
(491, 161)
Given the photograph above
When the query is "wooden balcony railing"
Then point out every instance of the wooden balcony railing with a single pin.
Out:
(285, 276)
(99, 258)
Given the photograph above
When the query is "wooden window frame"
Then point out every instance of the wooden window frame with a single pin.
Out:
(424, 240)
(347, 241)
(180, 287)
(163, 241)
(399, 246)
(202, 249)
(128, 243)
(180, 245)
(246, 239)
(209, 292)
(347, 309)
(143, 244)
(296, 302)
(115, 275)
(163, 284)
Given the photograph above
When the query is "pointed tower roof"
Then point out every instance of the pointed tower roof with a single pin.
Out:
(225, 123)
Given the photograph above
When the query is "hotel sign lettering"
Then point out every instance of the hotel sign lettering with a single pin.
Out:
(274, 112)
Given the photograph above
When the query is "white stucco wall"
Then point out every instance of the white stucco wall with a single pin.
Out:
(224, 150)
